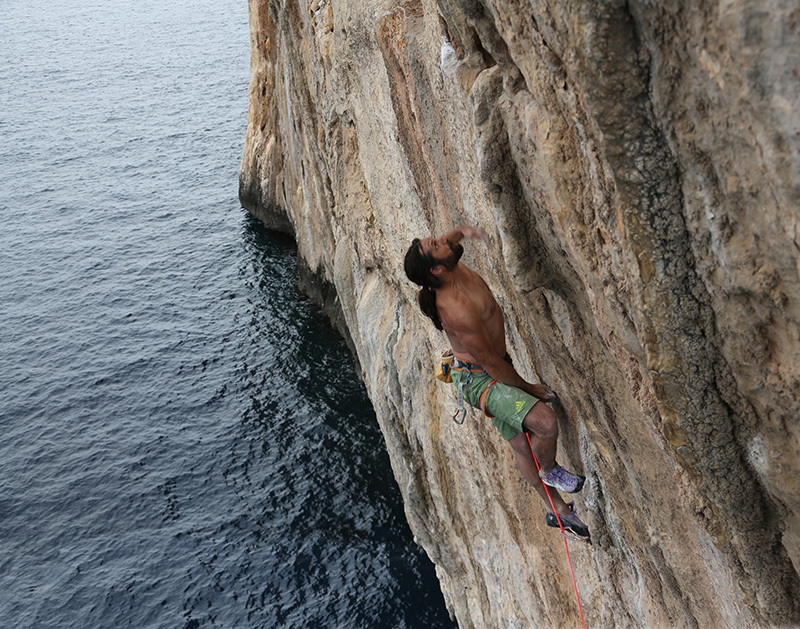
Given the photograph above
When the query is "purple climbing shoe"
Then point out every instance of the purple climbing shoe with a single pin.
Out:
(571, 523)
(565, 481)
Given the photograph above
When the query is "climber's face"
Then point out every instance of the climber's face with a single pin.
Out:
(442, 251)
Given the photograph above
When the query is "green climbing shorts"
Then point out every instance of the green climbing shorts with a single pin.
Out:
(506, 406)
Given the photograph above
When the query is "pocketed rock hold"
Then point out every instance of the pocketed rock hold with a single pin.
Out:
(637, 167)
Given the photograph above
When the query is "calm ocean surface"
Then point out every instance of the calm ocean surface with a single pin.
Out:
(184, 442)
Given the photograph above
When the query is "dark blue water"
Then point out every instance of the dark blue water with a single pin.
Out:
(183, 439)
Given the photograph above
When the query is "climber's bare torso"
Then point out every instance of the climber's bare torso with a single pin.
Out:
(469, 312)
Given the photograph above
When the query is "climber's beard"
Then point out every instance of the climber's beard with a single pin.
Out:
(451, 262)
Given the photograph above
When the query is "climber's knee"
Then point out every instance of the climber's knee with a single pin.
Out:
(542, 422)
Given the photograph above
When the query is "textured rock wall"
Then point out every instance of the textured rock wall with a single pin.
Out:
(636, 165)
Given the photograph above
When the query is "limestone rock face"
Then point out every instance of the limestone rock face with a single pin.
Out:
(636, 165)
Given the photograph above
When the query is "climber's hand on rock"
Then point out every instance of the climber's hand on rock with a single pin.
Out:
(476, 233)
(543, 392)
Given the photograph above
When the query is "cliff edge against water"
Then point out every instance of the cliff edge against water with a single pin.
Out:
(636, 165)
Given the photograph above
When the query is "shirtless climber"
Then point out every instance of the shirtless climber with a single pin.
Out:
(459, 302)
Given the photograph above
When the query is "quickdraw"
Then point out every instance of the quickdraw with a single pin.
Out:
(461, 409)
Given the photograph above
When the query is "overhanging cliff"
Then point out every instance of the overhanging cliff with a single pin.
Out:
(636, 165)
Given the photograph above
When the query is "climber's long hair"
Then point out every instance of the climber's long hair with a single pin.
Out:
(418, 266)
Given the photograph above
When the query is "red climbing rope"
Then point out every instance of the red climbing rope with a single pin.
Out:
(563, 534)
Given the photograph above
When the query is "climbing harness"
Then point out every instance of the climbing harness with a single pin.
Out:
(564, 534)
(471, 370)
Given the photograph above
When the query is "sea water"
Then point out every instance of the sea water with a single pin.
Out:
(184, 441)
